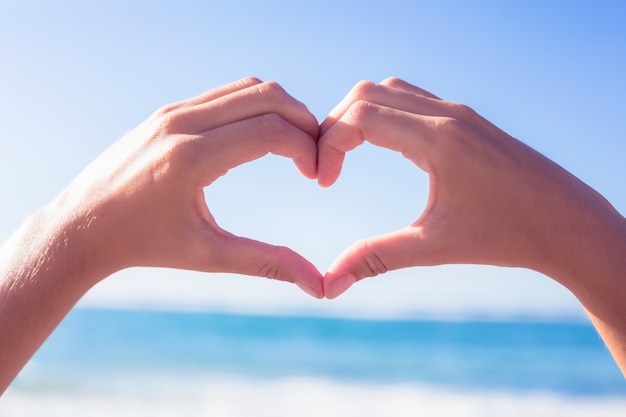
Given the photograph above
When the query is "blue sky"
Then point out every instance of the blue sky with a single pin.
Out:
(75, 76)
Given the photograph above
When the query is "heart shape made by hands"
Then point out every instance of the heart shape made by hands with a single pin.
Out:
(379, 191)
(483, 191)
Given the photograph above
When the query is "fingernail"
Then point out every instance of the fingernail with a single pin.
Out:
(335, 287)
(310, 290)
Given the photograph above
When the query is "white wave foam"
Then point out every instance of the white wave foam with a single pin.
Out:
(234, 397)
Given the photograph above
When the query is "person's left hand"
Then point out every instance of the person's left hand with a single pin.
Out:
(141, 203)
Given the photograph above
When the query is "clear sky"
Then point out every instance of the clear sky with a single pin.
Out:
(75, 76)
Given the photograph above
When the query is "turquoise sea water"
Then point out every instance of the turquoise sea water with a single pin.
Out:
(107, 348)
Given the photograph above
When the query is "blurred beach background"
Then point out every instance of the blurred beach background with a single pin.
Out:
(453, 340)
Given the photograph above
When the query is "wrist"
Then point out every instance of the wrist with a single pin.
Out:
(66, 242)
(44, 270)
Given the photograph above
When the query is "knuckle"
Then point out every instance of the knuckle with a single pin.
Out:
(372, 261)
(169, 122)
(362, 89)
(272, 125)
(249, 81)
(271, 269)
(271, 89)
(392, 81)
(170, 118)
(163, 110)
(453, 140)
(361, 110)
(463, 111)
(450, 126)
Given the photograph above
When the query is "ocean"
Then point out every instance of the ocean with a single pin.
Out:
(158, 363)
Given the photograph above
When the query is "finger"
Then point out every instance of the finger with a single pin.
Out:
(217, 151)
(410, 88)
(225, 90)
(406, 97)
(250, 257)
(332, 148)
(411, 134)
(436, 106)
(242, 104)
(377, 255)
(212, 94)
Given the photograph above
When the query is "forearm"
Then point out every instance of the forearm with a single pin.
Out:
(592, 265)
(141, 203)
(44, 271)
(604, 296)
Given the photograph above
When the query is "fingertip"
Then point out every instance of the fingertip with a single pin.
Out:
(329, 164)
(312, 175)
(337, 284)
(317, 292)
(331, 150)
(326, 124)
(250, 257)
(305, 275)
(325, 182)
(309, 279)
(327, 177)
(307, 169)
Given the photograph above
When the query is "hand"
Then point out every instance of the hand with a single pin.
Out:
(492, 199)
(143, 199)
(141, 203)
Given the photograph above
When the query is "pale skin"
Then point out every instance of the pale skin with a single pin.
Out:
(141, 203)
(492, 200)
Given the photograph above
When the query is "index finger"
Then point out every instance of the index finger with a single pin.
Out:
(215, 152)
(408, 87)
(245, 103)
(411, 134)
(212, 94)
(392, 92)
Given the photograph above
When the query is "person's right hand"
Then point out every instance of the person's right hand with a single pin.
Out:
(493, 200)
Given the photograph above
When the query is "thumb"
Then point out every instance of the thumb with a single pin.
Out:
(377, 255)
(250, 257)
